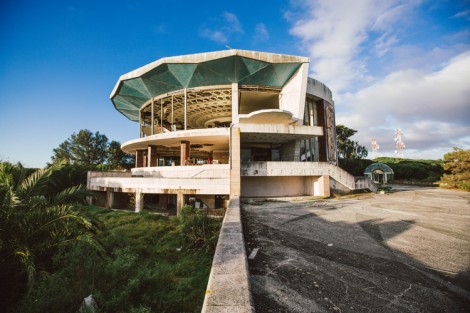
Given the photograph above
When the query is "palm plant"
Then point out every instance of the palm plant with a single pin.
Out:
(36, 219)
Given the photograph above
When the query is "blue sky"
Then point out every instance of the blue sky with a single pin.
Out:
(389, 63)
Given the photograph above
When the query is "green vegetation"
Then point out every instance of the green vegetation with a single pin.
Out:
(418, 170)
(457, 170)
(354, 167)
(347, 148)
(38, 217)
(54, 252)
(150, 266)
(92, 149)
(404, 169)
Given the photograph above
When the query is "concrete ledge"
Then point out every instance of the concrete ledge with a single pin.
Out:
(228, 289)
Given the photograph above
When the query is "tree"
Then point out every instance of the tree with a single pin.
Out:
(117, 159)
(83, 148)
(92, 149)
(347, 148)
(457, 167)
(35, 222)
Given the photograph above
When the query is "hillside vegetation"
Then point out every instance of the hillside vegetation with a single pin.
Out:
(152, 264)
(404, 169)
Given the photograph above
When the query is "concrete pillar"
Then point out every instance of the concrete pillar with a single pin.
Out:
(185, 152)
(322, 186)
(152, 156)
(235, 180)
(179, 203)
(139, 158)
(322, 140)
(291, 151)
(139, 201)
(235, 119)
(110, 199)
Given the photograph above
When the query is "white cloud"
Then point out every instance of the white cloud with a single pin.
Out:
(432, 108)
(384, 74)
(384, 42)
(332, 32)
(214, 35)
(464, 14)
(261, 32)
(233, 24)
(224, 28)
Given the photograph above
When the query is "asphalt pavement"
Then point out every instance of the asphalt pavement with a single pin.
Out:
(407, 251)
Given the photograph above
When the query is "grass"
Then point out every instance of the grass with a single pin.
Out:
(148, 267)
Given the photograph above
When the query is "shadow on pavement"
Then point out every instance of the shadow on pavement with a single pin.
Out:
(309, 263)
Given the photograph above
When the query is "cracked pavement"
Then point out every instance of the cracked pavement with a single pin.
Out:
(408, 251)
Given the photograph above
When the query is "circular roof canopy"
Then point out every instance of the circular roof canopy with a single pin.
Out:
(167, 75)
(378, 166)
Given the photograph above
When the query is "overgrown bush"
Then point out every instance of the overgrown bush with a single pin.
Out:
(148, 267)
(198, 230)
(354, 167)
(457, 167)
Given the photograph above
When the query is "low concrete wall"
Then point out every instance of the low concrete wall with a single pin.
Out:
(364, 182)
(200, 171)
(228, 289)
(259, 168)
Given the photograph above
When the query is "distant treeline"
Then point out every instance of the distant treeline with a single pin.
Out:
(404, 169)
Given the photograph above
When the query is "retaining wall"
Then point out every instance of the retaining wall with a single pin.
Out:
(228, 289)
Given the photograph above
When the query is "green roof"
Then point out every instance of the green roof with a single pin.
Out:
(378, 166)
(216, 68)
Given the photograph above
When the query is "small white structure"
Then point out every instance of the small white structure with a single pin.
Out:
(379, 173)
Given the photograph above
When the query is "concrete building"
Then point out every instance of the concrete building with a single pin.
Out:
(217, 125)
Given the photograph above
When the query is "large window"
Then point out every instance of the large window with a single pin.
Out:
(251, 101)
(309, 147)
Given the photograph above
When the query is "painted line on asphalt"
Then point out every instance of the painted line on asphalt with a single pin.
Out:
(253, 253)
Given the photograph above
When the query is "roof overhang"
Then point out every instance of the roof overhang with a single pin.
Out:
(166, 75)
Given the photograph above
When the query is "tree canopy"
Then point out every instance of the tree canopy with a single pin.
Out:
(457, 167)
(92, 149)
(348, 148)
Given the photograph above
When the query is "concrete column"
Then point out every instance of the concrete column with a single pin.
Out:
(185, 152)
(179, 203)
(88, 186)
(153, 120)
(139, 201)
(152, 156)
(139, 158)
(322, 186)
(235, 179)
(185, 107)
(110, 200)
(322, 140)
(235, 119)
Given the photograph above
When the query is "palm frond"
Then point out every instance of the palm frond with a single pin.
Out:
(74, 194)
(36, 183)
(26, 259)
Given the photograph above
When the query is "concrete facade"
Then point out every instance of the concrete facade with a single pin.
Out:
(221, 125)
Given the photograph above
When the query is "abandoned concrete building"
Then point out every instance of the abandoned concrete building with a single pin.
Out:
(223, 124)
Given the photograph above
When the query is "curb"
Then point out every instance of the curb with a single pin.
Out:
(228, 289)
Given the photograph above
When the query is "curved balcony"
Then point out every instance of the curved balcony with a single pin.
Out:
(206, 139)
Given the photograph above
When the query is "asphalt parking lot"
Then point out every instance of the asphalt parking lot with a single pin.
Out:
(408, 251)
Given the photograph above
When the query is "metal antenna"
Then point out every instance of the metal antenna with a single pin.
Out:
(375, 146)
(399, 144)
